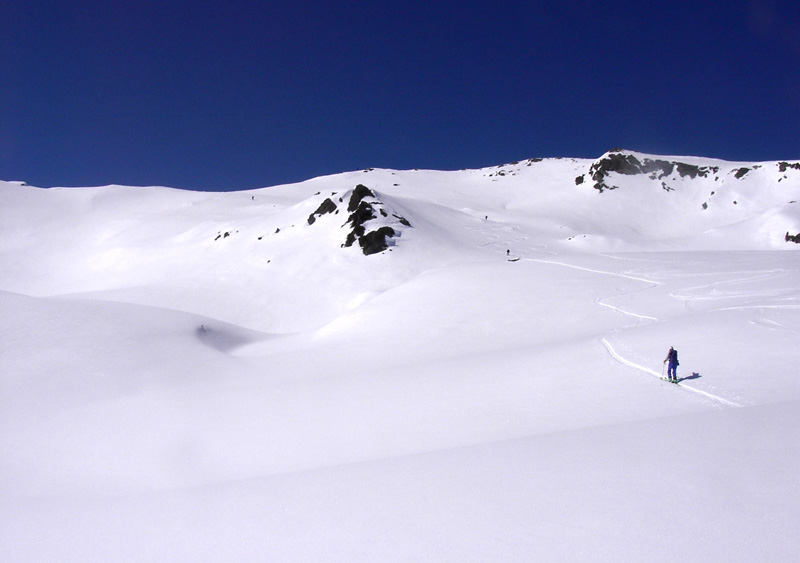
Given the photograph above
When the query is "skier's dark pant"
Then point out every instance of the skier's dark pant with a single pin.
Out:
(672, 371)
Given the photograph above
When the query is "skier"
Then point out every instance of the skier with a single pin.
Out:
(672, 367)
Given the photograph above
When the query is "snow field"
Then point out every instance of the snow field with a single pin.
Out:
(269, 395)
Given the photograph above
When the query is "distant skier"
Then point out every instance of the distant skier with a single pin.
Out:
(672, 366)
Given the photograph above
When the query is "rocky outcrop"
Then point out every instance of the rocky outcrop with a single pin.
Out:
(627, 164)
(325, 207)
(369, 223)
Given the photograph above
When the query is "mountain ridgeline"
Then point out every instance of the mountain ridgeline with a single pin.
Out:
(298, 256)
(622, 201)
(730, 193)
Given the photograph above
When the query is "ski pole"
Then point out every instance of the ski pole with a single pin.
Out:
(662, 370)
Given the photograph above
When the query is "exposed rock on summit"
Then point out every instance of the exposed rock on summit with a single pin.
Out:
(627, 164)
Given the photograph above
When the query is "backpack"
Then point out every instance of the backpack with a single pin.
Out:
(673, 357)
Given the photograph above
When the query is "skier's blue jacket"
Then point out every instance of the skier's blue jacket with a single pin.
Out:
(672, 357)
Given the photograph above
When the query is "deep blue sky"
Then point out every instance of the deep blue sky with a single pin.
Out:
(242, 94)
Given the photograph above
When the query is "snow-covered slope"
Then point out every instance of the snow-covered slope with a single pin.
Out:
(405, 365)
(264, 263)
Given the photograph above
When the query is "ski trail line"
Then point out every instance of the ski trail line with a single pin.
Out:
(599, 300)
(608, 346)
(617, 274)
(624, 312)
(649, 371)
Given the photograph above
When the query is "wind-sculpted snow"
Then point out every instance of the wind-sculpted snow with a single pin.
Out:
(406, 365)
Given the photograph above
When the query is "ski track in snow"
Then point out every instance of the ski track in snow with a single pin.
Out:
(599, 301)
(686, 294)
(640, 318)
(712, 292)
(649, 371)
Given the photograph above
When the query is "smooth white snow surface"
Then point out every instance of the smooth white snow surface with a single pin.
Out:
(207, 377)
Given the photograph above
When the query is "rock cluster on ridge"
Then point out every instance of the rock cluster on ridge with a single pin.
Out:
(369, 223)
(625, 163)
